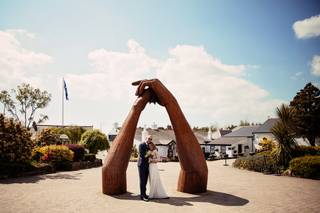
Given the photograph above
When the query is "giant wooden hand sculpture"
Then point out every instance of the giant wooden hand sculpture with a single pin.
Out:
(116, 163)
(194, 172)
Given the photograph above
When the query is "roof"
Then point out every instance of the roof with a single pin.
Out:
(159, 137)
(201, 136)
(228, 141)
(245, 131)
(224, 131)
(66, 126)
(165, 136)
(267, 126)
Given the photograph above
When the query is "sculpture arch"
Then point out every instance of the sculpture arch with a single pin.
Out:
(194, 172)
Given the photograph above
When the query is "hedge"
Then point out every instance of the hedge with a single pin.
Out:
(300, 151)
(258, 163)
(307, 167)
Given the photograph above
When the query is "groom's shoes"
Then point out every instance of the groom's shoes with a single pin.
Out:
(144, 198)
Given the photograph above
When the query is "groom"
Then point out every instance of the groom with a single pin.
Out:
(143, 166)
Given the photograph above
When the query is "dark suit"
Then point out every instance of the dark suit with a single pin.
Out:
(143, 166)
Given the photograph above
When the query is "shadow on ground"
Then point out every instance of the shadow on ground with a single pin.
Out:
(218, 198)
(35, 179)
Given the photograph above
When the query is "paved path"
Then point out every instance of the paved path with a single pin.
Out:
(229, 190)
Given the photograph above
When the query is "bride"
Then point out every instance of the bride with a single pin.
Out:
(156, 187)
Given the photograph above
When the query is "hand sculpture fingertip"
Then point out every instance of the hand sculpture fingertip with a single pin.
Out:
(136, 83)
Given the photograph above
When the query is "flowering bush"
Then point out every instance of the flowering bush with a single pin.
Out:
(15, 142)
(53, 153)
(266, 145)
(78, 151)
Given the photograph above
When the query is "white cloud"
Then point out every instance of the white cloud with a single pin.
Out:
(207, 87)
(315, 65)
(297, 75)
(203, 84)
(17, 61)
(114, 72)
(307, 28)
(22, 32)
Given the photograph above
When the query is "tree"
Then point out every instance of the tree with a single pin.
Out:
(284, 135)
(15, 141)
(134, 153)
(94, 140)
(286, 144)
(244, 123)
(47, 137)
(231, 127)
(27, 101)
(306, 113)
(5, 98)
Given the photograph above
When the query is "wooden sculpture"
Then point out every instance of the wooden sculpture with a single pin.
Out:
(194, 172)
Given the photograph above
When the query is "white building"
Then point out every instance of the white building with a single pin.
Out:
(264, 131)
(238, 142)
(113, 133)
(206, 141)
(164, 139)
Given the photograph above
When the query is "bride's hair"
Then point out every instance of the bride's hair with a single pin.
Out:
(153, 147)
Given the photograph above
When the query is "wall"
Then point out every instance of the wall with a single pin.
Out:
(163, 151)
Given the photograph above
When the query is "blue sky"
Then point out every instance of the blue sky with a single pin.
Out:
(256, 34)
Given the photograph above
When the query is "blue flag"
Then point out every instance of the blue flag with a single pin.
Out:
(65, 89)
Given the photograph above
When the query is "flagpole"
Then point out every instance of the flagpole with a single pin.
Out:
(62, 118)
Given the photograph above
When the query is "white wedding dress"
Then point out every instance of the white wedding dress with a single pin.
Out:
(156, 187)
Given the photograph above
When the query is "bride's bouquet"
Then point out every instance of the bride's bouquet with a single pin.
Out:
(149, 155)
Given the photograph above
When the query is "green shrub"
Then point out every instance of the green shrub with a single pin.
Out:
(134, 152)
(258, 163)
(94, 140)
(307, 166)
(15, 142)
(300, 151)
(53, 153)
(47, 137)
(73, 132)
